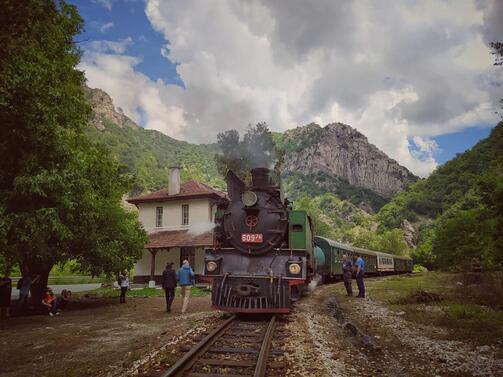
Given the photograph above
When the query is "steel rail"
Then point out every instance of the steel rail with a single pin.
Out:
(190, 358)
(263, 356)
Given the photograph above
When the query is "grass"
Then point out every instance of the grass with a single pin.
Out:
(71, 279)
(397, 288)
(75, 279)
(468, 311)
(143, 292)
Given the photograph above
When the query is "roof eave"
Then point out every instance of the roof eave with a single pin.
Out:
(173, 198)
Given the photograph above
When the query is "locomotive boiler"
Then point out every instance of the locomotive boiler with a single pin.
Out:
(263, 250)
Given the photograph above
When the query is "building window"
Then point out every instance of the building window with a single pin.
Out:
(158, 217)
(185, 214)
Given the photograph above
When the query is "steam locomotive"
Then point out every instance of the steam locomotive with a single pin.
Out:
(264, 252)
(263, 249)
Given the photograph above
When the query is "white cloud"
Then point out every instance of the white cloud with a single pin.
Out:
(407, 72)
(144, 101)
(106, 26)
(116, 47)
(104, 3)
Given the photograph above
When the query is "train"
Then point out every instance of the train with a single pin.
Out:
(265, 253)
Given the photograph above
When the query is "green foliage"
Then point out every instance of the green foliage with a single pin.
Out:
(147, 154)
(458, 209)
(419, 268)
(446, 185)
(342, 221)
(318, 183)
(59, 192)
(291, 142)
(255, 150)
(393, 241)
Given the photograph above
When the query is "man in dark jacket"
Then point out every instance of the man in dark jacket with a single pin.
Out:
(169, 285)
(347, 274)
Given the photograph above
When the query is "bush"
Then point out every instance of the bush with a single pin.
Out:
(419, 268)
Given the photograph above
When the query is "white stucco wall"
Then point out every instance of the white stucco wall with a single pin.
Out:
(201, 215)
(142, 267)
(199, 212)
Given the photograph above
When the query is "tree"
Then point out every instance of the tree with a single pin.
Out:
(491, 191)
(256, 149)
(59, 193)
(393, 241)
(459, 239)
(497, 48)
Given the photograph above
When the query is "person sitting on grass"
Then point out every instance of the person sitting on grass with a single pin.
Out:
(49, 301)
(64, 299)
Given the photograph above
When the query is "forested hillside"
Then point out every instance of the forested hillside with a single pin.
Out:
(146, 154)
(457, 210)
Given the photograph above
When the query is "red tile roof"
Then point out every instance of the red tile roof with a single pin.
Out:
(176, 238)
(188, 190)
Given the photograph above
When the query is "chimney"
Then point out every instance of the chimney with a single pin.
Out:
(174, 180)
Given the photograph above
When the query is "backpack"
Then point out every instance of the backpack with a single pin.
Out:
(119, 280)
(19, 283)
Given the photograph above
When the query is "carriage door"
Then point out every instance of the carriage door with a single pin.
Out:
(188, 253)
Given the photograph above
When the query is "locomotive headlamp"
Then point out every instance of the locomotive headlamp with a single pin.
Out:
(294, 268)
(211, 266)
(249, 198)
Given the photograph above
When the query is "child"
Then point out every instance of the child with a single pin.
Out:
(49, 301)
(64, 299)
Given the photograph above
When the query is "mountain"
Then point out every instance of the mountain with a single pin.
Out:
(335, 159)
(339, 159)
(146, 154)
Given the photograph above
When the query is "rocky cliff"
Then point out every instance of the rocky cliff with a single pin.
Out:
(104, 109)
(340, 152)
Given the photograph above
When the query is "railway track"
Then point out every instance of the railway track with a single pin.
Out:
(238, 347)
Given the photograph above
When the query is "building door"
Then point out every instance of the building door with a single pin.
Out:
(188, 253)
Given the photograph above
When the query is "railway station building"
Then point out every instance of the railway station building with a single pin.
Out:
(178, 220)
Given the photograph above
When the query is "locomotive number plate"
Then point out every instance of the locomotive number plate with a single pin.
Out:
(252, 238)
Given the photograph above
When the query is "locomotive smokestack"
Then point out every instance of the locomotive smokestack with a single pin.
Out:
(261, 177)
(235, 186)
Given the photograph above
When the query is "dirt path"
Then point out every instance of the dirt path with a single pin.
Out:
(392, 346)
(99, 337)
(95, 337)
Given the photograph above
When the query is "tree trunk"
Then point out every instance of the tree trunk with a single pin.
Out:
(38, 288)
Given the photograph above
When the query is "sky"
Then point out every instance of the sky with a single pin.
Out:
(414, 76)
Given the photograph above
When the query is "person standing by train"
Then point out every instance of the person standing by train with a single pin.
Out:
(360, 273)
(169, 285)
(347, 274)
(185, 277)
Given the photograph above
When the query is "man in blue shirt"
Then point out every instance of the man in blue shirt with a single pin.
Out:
(347, 274)
(185, 276)
(360, 273)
